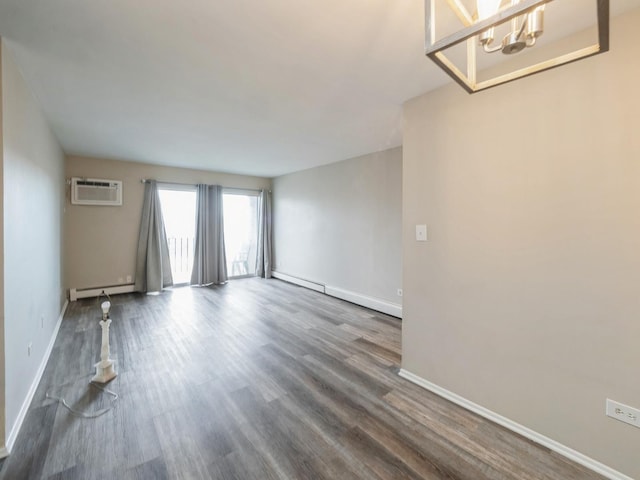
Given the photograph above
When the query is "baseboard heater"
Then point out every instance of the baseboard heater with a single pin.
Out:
(75, 293)
(318, 287)
(393, 309)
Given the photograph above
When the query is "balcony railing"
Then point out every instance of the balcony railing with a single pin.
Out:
(181, 258)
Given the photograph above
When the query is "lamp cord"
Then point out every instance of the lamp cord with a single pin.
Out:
(77, 413)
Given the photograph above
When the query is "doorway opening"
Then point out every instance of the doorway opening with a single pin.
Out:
(240, 232)
(178, 205)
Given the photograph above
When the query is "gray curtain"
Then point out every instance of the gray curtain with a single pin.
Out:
(209, 262)
(153, 268)
(263, 261)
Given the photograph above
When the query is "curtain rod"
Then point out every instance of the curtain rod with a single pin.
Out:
(145, 180)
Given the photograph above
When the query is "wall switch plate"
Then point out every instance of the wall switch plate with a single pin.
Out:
(623, 412)
(421, 233)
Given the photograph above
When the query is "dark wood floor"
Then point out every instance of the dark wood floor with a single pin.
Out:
(255, 380)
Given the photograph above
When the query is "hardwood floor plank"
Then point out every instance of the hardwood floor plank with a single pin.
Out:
(37, 430)
(383, 463)
(183, 455)
(245, 461)
(255, 380)
(153, 469)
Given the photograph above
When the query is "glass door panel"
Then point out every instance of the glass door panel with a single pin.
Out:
(179, 212)
(240, 233)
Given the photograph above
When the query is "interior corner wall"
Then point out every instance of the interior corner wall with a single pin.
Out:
(101, 241)
(340, 225)
(33, 194)
(526, 298)
(2, 355)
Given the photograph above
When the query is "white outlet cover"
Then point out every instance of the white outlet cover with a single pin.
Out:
(623, 412)
(421, 233)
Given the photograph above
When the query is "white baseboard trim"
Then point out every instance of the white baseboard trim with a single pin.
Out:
(318, 287)
(75, 294)
(376, 304)
(13, 434)
(557, 447)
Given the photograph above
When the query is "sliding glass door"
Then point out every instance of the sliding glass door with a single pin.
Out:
(241, 232)
(179, 212)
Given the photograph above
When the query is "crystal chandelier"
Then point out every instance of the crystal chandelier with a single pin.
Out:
(523, 21)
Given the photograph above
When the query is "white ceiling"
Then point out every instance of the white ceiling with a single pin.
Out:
(260, 87)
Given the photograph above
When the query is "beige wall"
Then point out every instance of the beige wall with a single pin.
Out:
(2, 354)
(340, 225)
(33, 191)
(526, 299)
(101, 242)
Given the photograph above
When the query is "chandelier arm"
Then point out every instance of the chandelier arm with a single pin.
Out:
(491, 50)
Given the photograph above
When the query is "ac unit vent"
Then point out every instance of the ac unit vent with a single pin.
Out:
(94, 191)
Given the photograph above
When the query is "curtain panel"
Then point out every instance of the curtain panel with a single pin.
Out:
(153, 268)
(209, 262)
(263, 261)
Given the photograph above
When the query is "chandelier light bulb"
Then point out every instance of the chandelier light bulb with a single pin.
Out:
(535, 24)
(486, 8)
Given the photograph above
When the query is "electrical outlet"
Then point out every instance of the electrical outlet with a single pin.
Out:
(624, 413)
(128, 278)
(29, 349)
(399, 292)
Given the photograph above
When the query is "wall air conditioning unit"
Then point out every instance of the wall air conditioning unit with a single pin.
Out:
(95, 191)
